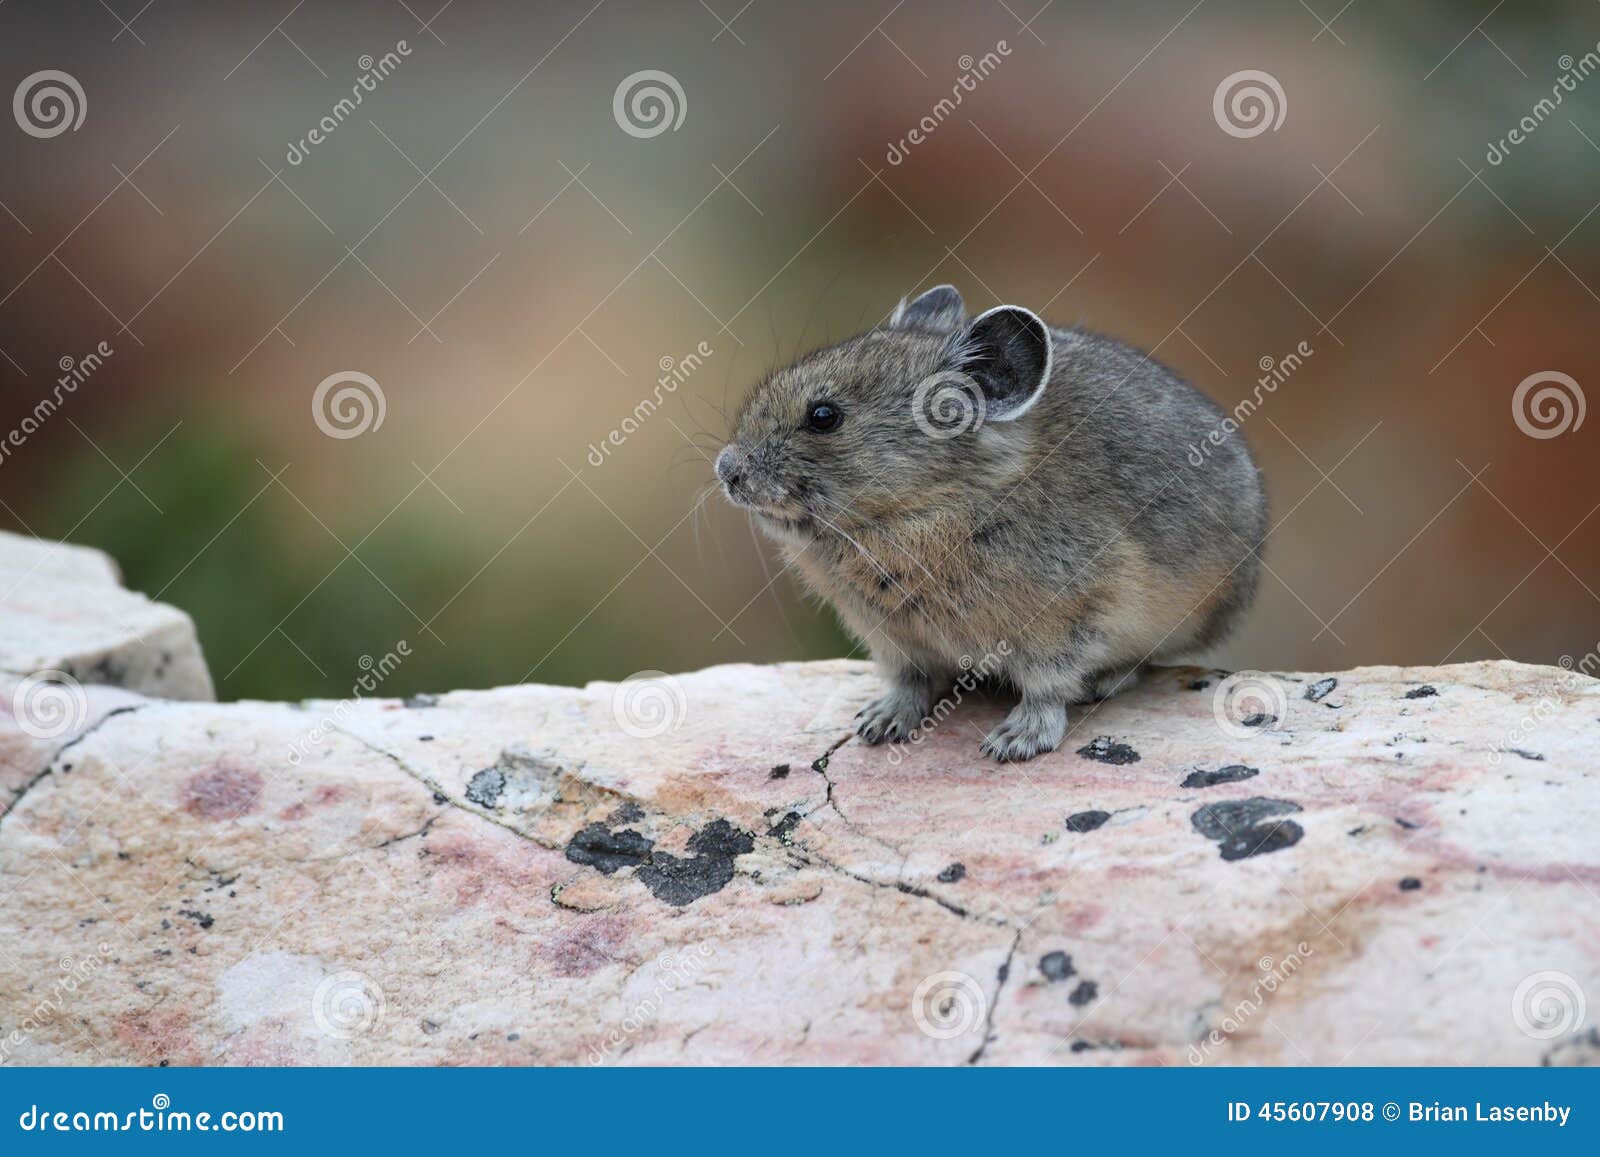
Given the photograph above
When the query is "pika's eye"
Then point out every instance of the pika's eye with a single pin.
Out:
(824, 416)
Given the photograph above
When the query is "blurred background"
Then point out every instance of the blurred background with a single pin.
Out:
(515, 260)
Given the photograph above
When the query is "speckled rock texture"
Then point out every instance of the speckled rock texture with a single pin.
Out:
(63, 609)
(1394, 866)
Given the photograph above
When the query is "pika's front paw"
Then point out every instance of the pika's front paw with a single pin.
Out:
(1029, 730)
(892, 719)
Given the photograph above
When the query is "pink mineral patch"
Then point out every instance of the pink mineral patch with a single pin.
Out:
(226, 792)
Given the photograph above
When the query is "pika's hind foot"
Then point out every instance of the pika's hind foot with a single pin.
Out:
(892, 719)
(1030, 730)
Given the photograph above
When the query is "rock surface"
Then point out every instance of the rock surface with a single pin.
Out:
(1397, 868)
(63, 609)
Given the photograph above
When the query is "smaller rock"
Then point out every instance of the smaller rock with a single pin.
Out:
(1081, 822)
(953, 874)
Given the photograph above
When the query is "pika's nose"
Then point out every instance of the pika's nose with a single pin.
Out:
(729, 467)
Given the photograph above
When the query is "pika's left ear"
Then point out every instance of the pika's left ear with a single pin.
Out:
(1006, 350)
(940, 309)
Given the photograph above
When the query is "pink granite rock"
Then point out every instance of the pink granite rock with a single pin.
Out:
(1380, 866)
(64, 614)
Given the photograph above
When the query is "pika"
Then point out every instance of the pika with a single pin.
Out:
(998, 487)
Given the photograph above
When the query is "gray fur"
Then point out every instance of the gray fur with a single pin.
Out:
(1075, 536)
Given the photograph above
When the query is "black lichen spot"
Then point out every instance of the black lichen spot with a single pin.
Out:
(1227, 818)
(484, 788)
(440, 797)
(1233, 773)
(779, 772)
(953, 874)
(1105, 750)
(1197, 685)
(679, 881)
(1410, 884)
(1319, 690)
(1086, 991)
(720, 838)
(1259, 719)
(820, 764)
(1081, 822)
(201, 918)
(598, 847)
(1425, 691)
(421, 701)
(1055, 966)
(1273, 836)
(783, 827)
(1533, 755)
(627, 813)
(1406, 824)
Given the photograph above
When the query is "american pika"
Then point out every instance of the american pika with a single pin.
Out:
(1000, 492)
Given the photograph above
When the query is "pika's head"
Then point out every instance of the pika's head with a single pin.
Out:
(889, 421)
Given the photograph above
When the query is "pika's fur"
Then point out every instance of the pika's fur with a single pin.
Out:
(1000, 492)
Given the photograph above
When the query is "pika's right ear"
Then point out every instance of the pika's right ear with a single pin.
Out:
(1007, 351)
(940, 309)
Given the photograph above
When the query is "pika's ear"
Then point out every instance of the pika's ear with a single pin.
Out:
(1006, 350)
(940, 309)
